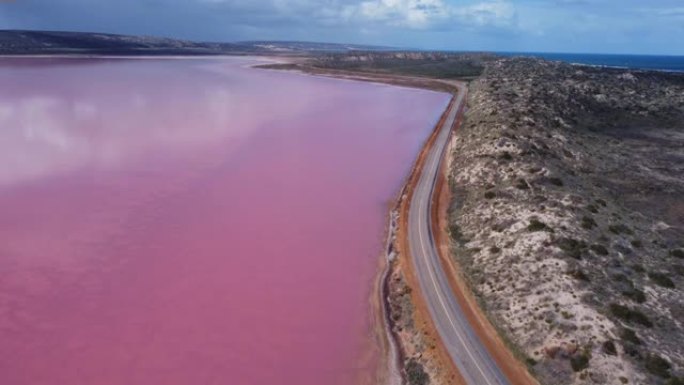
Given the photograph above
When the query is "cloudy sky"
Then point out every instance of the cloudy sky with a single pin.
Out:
(594, 26)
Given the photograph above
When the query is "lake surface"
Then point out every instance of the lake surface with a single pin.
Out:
(194, 221)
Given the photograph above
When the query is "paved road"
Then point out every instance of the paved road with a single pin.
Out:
(470, 356)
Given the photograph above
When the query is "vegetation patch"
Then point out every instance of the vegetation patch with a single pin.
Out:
(609, 348)
(537, 225)
(455, 233)
(677, 253)
(657, 365)
(579, 275)
(620, 229)
(630, 336)
(630, 315)
(675, 381)
(572, 247)
(661, 279)
(556, 181)
(428, 64)
(599, 249)
(635, 295)
(588, 223)
(415, 373)
(580, 361)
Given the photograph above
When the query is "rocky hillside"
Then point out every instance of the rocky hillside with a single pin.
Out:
(411, 63)
(568, 217)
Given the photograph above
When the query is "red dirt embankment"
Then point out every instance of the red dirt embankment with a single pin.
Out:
(515, 371)
(440, 358)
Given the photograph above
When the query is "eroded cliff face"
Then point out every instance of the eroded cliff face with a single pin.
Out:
(568, 217)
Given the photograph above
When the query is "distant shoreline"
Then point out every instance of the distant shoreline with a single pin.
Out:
(661, 63)
(47, 44)
(544, 56)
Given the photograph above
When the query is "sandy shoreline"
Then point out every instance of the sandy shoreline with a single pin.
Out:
(392, 345)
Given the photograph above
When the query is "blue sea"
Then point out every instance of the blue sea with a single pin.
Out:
(644, 62)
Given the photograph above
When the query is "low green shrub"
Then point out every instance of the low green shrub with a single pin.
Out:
(657, 365)
(630, 315)
(579, 275)
(675, 381)
(609, 348)
(678, 253)
(629, 335)
(537, 225)
(588, 223)
(620, 229)
(579, 362)
(599, 249)
(455, 232)
(415, 373)
(635, 295)
(556, 181)
(661, 279)
(572, 247)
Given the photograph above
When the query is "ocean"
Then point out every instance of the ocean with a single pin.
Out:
(643, 62)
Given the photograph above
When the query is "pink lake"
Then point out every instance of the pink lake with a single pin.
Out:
(194, 221)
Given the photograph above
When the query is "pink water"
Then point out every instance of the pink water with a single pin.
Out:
(194, 221)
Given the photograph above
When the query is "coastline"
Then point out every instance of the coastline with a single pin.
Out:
(392, 345)
(398, 345)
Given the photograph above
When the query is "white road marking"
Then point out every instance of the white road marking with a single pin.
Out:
(436, 157)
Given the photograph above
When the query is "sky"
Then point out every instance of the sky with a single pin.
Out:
(581, 26)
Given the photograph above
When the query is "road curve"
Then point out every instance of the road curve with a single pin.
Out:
(472, 359)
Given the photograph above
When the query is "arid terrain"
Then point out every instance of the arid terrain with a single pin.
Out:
(568, 217)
